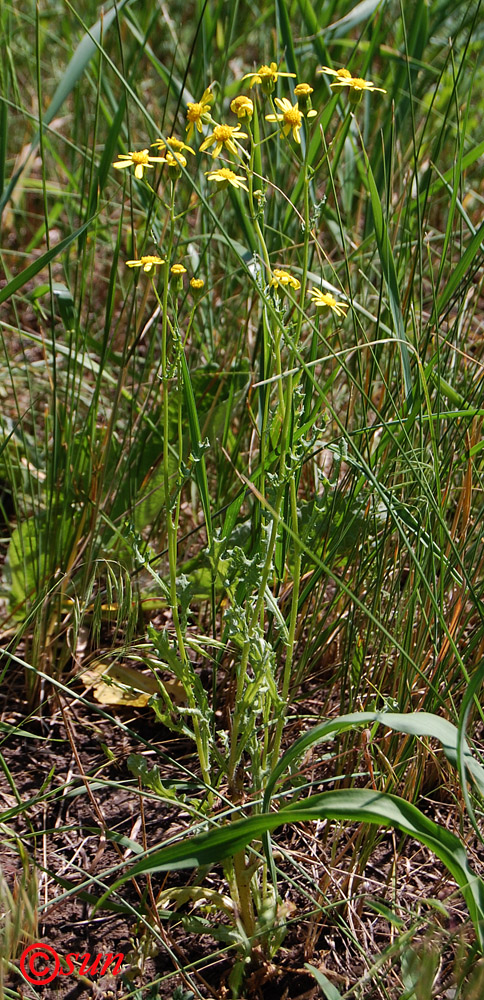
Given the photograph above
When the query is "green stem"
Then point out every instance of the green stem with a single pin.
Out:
(171, 523)
(288, 664)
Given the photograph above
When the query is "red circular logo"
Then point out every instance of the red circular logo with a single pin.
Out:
(40, 964)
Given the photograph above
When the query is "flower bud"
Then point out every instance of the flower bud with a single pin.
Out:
(303, 93)
(174, 162)
(242, 106)
(197, 285)
(177, 271)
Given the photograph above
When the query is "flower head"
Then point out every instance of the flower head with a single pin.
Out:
(177, 270)
(303, 90)
(174, 162)
(355, 83)
(225, 176)
(173, 145)
(266, 76)
(291, 117)
(223, 136)
(198, 112)
(341, 73)
(197, 284)
(303, 93)
(147, 263)
(140, 161)
(280, 277)
(324, 300)
(242, 106)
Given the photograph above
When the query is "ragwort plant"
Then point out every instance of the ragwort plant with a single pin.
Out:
(284, 423)
(239, 759)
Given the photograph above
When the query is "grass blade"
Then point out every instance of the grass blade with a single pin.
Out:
(356, 805)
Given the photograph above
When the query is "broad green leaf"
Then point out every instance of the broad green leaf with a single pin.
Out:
(414, 724)
(356, 805)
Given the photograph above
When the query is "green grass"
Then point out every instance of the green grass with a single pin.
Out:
(233, 485)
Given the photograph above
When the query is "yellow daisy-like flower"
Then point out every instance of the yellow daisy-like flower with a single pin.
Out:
(197, 284)
(224, 136)
(291, 117)
(173, 145)
(177, 270)
(343, 74)
(242, 106)
(324, 300)
(355, 83)
(225, 176)
(267, 77)
(140, 161)
(280, 277)
(147, 263)
(198, 112)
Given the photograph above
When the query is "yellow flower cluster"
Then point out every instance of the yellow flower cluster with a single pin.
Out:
(227, 138)
(322, 300)
(280, 277)
(150, 261)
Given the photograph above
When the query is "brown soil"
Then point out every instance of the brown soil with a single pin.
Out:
(63, 830)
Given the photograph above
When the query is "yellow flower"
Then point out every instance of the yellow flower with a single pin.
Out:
(355, 83)
(242, 106)
(280, 277)
(174, 145)
(266, 76)
(290, 116)
(147, 263)
(174, 162)
(342, 73)
(326, 300)
(303, 93)
(303, 90)
(225, 176)
(177, 270)
(197, 284)
(199, 112)
(140, 161)
(223, 136)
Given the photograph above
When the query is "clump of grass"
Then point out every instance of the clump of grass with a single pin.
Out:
(18, 915)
